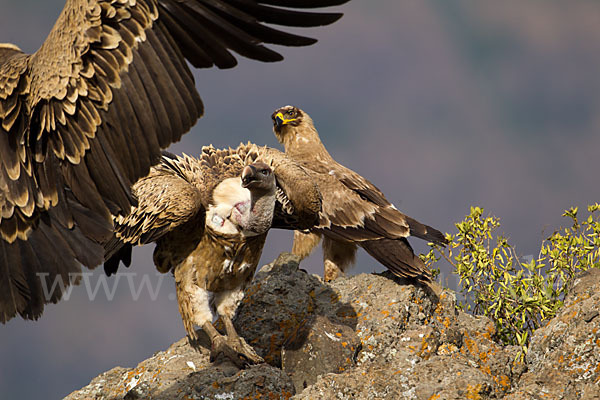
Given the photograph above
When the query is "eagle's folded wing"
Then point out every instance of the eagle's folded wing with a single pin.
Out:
(299, 200)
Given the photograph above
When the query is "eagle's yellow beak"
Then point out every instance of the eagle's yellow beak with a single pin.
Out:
(280, 120)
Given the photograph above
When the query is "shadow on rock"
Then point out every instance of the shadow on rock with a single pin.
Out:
(298, 323)
(294, 321)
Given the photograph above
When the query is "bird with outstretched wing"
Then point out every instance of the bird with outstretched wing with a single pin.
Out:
(85, 117)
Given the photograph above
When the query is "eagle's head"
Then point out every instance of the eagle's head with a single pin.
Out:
(258, 177)
(286, 117)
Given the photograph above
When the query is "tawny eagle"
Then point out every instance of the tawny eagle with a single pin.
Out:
(355, 212)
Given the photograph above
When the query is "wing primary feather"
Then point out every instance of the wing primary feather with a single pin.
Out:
(13, 287)
(159, 65)
(104, 171)
(120, 117)
(281, 16)
(211, 44)
(147, 85)
(304, 3)
(426, 232)
(230, 35)
(31, 264)
(129, 118)
(191, 49)
(184, 86)
(122, 255)
(147, 121)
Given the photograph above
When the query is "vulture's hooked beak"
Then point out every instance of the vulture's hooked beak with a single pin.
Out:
(248, 175)
(280, 120)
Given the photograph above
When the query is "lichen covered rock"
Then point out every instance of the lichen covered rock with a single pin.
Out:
(563, 360)
(372, 336)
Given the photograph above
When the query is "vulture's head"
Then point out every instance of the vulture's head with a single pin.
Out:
(258, 177)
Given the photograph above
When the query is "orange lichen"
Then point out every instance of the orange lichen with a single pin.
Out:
(473, 392)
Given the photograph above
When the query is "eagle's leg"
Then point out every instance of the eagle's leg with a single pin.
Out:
(304, 243)
(337, 256)
(234, 346)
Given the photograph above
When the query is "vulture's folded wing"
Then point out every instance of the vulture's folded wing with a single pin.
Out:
(168, 198)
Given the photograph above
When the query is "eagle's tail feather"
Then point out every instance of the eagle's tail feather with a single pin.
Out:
(425, 232)
(398, 256)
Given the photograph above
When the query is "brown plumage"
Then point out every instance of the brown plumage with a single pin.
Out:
(87, 114)
(354, 212)
(209, 218)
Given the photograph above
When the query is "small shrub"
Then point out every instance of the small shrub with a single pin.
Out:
(518, 295)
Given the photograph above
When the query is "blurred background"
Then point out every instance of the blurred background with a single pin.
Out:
(442, 104)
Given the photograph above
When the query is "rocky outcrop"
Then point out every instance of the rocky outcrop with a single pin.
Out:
(563, 361)
(372, 336)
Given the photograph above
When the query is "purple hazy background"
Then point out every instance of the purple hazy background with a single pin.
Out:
(442, 104)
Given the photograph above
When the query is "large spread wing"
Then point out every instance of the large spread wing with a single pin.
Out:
(86, 115)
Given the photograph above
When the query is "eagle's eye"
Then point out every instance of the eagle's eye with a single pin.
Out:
(292, 113)
(264, 171)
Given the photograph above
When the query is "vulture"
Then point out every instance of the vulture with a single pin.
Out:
(355, 212)
(85, 116)
(209, 217)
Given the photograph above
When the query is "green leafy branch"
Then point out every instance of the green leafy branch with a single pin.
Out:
(517, 295)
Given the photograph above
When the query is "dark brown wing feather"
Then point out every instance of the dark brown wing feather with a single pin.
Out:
(208, 29)
(355, 209)
(398, 256)
(299, 200)
(86, 115)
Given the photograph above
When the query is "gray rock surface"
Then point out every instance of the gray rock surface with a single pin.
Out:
(563, 361)
(318, 347)
(371, 336)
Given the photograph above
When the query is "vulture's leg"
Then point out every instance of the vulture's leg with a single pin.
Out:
(304, 243)
(337, 256)
(236, 348)
(194, 303)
